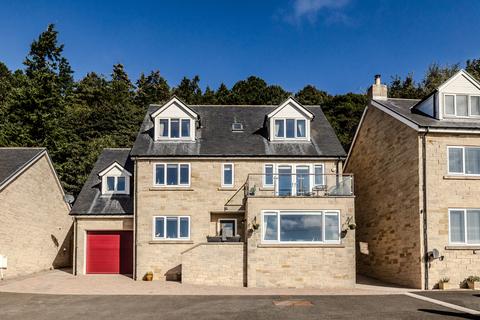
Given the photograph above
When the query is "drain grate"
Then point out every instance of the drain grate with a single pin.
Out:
(292, 303)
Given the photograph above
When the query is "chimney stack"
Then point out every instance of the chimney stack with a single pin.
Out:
(378, 91)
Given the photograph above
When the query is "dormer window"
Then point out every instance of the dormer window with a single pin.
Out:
(115, 180)
(462, 105)
(174, 121)
(290, 121)
(174, 128)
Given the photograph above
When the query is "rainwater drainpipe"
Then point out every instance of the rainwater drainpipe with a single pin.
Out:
(424, 208)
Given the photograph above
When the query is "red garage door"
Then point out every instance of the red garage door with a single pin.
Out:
(110, 252)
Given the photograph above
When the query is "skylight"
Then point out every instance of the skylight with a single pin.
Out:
(237, 126)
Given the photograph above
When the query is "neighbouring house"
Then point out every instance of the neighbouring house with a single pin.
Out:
(35, 228)
(417, 170)
(223, 195)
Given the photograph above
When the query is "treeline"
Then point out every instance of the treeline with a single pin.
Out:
(42, 105)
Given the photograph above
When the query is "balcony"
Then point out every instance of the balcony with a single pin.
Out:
(299, 184)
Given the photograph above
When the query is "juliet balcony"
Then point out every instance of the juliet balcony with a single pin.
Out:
(298, 184)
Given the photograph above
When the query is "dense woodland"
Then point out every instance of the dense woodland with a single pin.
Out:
(43, 105)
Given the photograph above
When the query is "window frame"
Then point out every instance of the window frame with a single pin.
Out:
(105, 190)
(469, 105)
(180, 127)
(235, 230)
(264, 180)
(324, 178)
(279, 213)
(284, 120)
(465, 225)
(164, 184)
(164, 238)
(464, 161)
(223, 184)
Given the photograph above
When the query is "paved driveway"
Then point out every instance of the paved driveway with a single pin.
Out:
(43, 307)
(467, 299)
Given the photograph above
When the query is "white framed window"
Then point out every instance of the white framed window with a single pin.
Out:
(228, 175)
(171, 174)
(463, 160)
(464, 226)
(174, 128)
(461, 105)
(290, 128)
(115, 184)
(171, 227)
(227, 227)
(115, 180)
(319, 174)
(268, 174)
(301, 227)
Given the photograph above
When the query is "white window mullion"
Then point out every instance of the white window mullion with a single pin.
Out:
(465, 240)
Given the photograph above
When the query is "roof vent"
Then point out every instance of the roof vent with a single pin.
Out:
(237, 126)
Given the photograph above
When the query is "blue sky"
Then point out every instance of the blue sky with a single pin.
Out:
(336, 45)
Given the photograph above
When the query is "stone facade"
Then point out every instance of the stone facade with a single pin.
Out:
(95, 223)
(35, 229)
(300, 266)
(205, 201)
(220, 264)
(385, 161)
(444, 192)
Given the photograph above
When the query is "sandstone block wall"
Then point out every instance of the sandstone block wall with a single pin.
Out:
(220, 264)
(35, 228)
(386, 164)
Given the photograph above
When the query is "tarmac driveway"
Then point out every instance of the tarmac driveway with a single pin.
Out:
(468, 299)
(42, 307)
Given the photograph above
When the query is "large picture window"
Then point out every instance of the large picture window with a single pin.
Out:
(464, 160)
(301, 227)
(171, 227)
(464, 226)
(172, 174)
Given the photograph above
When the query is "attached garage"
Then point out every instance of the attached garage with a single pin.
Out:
(109, 252)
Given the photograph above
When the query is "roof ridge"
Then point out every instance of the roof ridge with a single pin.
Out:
(404, 99)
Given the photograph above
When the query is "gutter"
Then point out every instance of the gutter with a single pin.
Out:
(74, 262)
(424, 208)
(135, 185)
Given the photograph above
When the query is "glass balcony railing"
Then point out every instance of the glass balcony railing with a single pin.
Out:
(299, 184)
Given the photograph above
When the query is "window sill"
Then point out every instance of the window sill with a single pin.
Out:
(171, 189)
(170, 242)
(226, 189)
(289, 245)
(266, 189)
(453, 177)
(466, 247)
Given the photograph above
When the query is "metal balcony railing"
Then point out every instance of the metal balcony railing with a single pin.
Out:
(298, 185)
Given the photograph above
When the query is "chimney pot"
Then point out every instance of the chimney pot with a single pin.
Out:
(378, 79)
(378, 91)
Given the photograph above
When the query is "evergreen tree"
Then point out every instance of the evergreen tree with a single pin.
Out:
(189, 90)
(310, 95)
(151, 89)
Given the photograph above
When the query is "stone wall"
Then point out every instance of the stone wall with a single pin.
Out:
(96, 223)
(35, 229)
(300, 266)
(220, 264)
(446, 192)
(204, 196)
(385, 162)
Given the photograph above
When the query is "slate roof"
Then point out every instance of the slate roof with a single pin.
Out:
(13, 160)
(402, 108)
(215, 138)
(90, 201)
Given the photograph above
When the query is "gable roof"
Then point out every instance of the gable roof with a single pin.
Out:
(114, 165)
(215, 137)
(459, 73)
(14, 160)
(296, 104)
(90, 201)
(175, 100)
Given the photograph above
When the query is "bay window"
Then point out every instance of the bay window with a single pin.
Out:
(290, 128)
(464, 160)
(464, 226)
(172, 174)
(461, 105)
(171, 227)
(301, 226)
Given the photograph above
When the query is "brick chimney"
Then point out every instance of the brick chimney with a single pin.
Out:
(377, 91)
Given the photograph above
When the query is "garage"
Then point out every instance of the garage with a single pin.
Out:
(109, 252)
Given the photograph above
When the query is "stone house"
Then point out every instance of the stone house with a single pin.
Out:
(222, 195)
(417, 169)
(35, 228)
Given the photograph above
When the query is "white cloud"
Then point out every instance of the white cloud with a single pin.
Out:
(310, 9)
